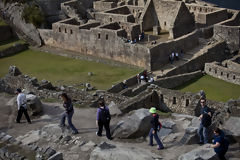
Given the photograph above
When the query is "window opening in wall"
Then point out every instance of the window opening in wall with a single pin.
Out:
(98, 35)
(187, 102)
(226, 65)
(210, 69)
(227, 75)
(234, 77)
(221, 73)
(215, 71)
(106, 36)
(59, 29)
(165, 23)
(174, 100)
(110, 19)
(65, 30)
(71, 32)
(161, 98)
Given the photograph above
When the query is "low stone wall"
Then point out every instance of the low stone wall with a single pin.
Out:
(6, 33)
(168, 82)
(13, 50)
(226, 74)
(120, 86)
(160, 52)
(175, 81)
(213, 52)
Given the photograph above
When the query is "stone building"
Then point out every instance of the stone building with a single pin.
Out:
(172, 16)
(112, 28)
(228, 70)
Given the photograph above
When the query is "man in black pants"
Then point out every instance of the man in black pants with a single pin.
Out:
(22, 106)
(103, 119)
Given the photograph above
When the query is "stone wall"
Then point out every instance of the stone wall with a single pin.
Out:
(175, 81)
(160, 52)
(206, 16)
(109, 17)
(104, 5)
(6, 33)
(13, 50)
(213, 52)
(221, 72)
(107, 43)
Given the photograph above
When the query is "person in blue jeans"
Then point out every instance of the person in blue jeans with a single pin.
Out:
(203, 128)
(154, 129)
(220, 145)
(67, 104)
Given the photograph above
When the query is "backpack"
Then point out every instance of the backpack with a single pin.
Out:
(206, 120)
(105, 115)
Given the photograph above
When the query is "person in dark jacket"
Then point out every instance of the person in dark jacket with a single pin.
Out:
(219, 144)
(103, 119)
(205, 119)
(67, 104)
(155, 128)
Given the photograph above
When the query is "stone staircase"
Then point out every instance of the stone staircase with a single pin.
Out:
(183, 59)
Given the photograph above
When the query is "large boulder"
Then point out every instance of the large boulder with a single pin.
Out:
(232, 127)
(106, 151)
(191, 135)
(200, 153)
(34, 104)
(136, 125)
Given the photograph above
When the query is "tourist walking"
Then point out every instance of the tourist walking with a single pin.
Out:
(22, 106)
(69, 111)
(155, 127)
(103, 119)
(205, 119)
(176, 55)
(220, 144)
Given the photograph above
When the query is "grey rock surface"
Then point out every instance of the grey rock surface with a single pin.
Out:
(232, 127)
(136, 125)
(200, 153)
(120, 152)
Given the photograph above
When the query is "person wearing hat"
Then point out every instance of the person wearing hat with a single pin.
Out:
(156, 125)
(22, 106)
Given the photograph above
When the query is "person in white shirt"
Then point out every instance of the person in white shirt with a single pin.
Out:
(22, 106)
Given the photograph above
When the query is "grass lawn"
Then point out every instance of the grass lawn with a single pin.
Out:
(63, 70)
(215, 89)
(9, 43)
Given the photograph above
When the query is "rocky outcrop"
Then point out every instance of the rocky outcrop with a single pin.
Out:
(107, 151)
(136, 125)
(12, 14)
(232, 127)
(202, 152)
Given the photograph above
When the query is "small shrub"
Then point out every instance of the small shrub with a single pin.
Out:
(32, 14)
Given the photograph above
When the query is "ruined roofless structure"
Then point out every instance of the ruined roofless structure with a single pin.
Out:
(173, 25)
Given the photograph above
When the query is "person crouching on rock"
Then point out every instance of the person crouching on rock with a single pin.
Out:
(103, 119)
(67, 104)
(156, 126)
(22, 106)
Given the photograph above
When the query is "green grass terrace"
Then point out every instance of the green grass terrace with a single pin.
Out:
(66, 71)
(215, 89)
